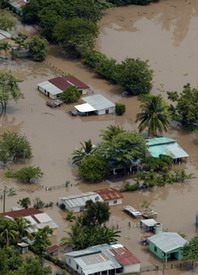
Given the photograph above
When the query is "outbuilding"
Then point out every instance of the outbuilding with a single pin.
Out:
(167, 246)
(111, 196)
(55, 86)
(95, 104)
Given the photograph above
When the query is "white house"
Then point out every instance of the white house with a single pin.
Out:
(96, 104)
(38, 219)
(103, 260)
(55, 86)
(76, 203)
(111, 196)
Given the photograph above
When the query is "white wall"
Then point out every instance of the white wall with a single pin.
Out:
(74, 209)
(131, 268)
(111, 203)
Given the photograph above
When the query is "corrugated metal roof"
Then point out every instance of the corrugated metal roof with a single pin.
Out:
(81, 199)
(124, 256)
(167, 241)
(64, 82)
(49, 87)
(17, 3)
(74, 81)
(149, 222)
(109, 194)
(165, 146)
(99, 102)
(22, 212)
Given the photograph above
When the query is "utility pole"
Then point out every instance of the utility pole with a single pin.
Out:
(4, 198)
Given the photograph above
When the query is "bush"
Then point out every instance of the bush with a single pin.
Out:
(70, 95)
(120, 109)
(38, 48)
(129, 187)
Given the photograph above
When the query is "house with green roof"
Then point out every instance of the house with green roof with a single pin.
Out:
(167, 246)
(165, 146)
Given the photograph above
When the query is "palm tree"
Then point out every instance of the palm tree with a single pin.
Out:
(110, 132)
(23, 227)
(86, 149)
(154, 115)
(8, 233)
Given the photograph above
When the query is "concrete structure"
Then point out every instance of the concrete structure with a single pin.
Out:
(38, 219)
(151, 225)
(76, 203)
(17, 5)
(167, 245)
(96, 104)
(103, 260)
(55, 86)
(23, 247)
(165, 146)
(111, 196)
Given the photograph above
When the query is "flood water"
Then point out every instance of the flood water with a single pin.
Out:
(164, 33)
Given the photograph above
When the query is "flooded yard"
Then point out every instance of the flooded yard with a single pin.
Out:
(164, 33)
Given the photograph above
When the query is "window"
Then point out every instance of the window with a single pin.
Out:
(155, 249)
(114, 202)
(119, 270)
(104, 272)
(77, 266)
(112, 272)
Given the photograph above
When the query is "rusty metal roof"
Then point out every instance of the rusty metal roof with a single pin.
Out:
(64, 82)
(109, 194)
(123, 255)
(22, 212)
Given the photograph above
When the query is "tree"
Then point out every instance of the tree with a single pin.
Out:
(70, 95)
(25, 202)
(96, 213)
(135, 76)
(5, 46)
(41, 241)
(9, 89)
(120, 109)
(30, 12)
(8, 233)
(75, 35)
(20, 40)
(190, 250)
(86, 149)
(111, 131)
(27, 174)
(153, 116)
(38, 203)
(186, 105)
(16, 145)
(22, 226)
(3, 4)
(7, 21)
(94, 168)
(38, 48)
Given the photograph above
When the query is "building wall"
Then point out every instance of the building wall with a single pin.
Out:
(164, 257)
(103, 112)
(72, 263)
(115, 202)
(131, 268)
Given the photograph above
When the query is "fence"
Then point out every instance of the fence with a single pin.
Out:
(189, 265)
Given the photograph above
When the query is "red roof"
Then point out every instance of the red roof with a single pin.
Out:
(22, 213)
(53, 247)
(64, 82)
(109, 194)
(124, 256)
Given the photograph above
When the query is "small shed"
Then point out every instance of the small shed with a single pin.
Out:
(23, 247)
(165, 146)
(167, 246)
(97, 104)
(132, 211)
(53, 249)
(150, 225)
(17, 5)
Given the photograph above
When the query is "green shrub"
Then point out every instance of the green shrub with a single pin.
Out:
(120, 109)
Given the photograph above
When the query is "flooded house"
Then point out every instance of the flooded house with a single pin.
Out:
(151, 225)
(55, 86)
(165, 146)
(95, 104)
(77, 203)
(38, 219)
(167, 246)
(103, 259)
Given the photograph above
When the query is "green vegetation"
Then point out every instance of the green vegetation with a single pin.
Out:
(86, 149)
(120, 109)
(41, 241)
(25, 202)
(26, 174)
(38, 48)
(94, 168)
(190, 250)
(15, 145)
(185, 107)
(153, 115)
(70, 95)
(129, 187)
(9, 89)
(5, 46)
(7, 20)
(84, 234)
(111, 132)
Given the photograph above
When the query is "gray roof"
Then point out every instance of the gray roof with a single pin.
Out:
(167, 241)
(99, 102)
(95, 259)
(81, 199)
(149, 222)
(49, 87)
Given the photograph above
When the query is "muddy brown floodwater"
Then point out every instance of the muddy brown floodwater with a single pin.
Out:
(166, 34)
